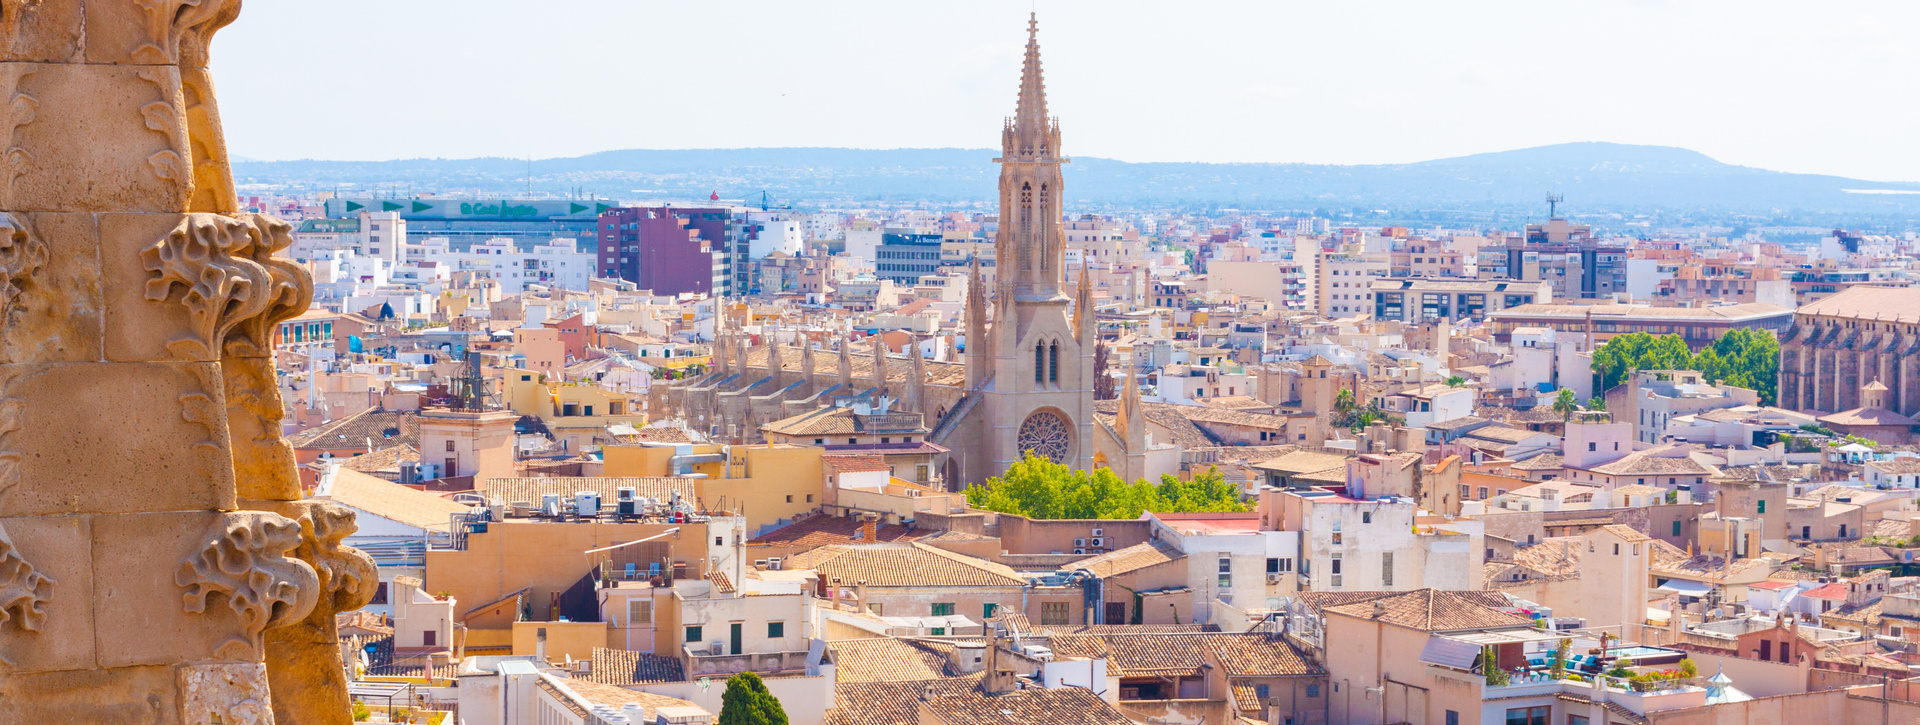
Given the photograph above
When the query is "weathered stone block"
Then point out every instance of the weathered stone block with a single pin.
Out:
(93, 138)
(130, 696)
(113, 437)
(155, 31)
(41, 31)
(50, 304)
(46, 594)
(139, 612)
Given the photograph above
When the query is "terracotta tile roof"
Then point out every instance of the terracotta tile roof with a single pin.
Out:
(855, 462)
(1542, 462)
(389, 500)
(1184, 654)
(885, 659)
(1132, 558)
(1641, 462)
(1181, 430)
(1890, 304)
(1245, 697)
(1317, 601)
(888, 703)
(625, 667)
(383, 428)
(817, 531)
(1304, 462)
(1868, 417)
(905, 565)
(1036, 706)
(1626, 532)
(1502, 434)
(530, 490)
(384, 463)
(1128, 629)
(1433, 610)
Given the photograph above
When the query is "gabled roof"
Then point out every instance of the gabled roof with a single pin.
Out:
(625, 667)
(817, 531)
(905, 565)
(389, 500)
(1243, 654)
(1432, 610)
(886, 659)
(1032, 706)
(1130, 559)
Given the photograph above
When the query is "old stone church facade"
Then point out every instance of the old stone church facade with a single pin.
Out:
(1027, 378)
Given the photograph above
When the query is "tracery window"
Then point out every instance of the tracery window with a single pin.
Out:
(1046, 435)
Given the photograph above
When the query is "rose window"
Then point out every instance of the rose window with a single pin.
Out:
(1047, 435)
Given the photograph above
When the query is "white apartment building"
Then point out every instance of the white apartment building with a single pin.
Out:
(1346, 282)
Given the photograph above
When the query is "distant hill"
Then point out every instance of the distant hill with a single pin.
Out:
(1596, 178)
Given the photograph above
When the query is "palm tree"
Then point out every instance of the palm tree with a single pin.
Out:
(1565, 404)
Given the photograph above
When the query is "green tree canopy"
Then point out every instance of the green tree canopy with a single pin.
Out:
(1039, 488)
(747, 702)
(1742, 357)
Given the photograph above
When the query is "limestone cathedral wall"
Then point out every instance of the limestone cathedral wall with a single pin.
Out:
(156, 564)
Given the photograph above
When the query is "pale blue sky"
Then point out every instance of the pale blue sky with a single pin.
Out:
(1821, 87)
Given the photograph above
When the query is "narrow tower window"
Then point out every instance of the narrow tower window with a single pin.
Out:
(1043, 240)
(1026, 227)
(1039, 362)
(1053, 366)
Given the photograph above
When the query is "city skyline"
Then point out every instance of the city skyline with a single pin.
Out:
(1276, 84)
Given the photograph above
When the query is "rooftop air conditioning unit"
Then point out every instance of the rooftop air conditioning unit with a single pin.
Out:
(773, 563)
(1273, 577)
(550, 504)
(1095, 542)
(717, 647)
(587, 503)
(1099, 532)
(1079, 542)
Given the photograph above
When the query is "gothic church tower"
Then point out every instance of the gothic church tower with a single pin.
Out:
(1038, 394)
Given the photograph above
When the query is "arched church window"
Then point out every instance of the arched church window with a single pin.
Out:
(1053, 363)
(1026, 225)
(1039, 362)
(1047, 435)
(1041, 237)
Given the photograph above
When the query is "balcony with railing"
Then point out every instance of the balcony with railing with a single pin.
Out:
(704, 660)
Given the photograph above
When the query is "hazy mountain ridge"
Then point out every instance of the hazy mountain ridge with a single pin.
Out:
(1594, 177)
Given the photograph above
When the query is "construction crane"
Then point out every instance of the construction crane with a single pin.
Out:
(766, 203)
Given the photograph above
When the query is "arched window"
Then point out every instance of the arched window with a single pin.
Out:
(1026, 226)
(1053, 367)
(1041, 238)
(1039, 362)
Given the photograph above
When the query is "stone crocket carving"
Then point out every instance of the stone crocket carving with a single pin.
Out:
(24, 592)
(245, 562)
(231, 280)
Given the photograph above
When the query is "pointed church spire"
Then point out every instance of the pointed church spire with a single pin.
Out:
(977, 345)
(917, 384)
(1030, 121)
(846, 365)
(1132, 419)
(879, 366)
(776, 363)
(806, 367)
(1083, 327)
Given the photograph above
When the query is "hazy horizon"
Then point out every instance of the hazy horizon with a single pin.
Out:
(1770, 85)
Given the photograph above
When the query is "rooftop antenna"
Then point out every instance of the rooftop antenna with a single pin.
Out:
(1553, 204)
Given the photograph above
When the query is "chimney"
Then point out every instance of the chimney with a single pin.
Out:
(838, 594)
(540, 644)
(860, 596)
(869, 528)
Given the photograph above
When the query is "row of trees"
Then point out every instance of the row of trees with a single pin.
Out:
(1744, 358)
(1041, 489)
